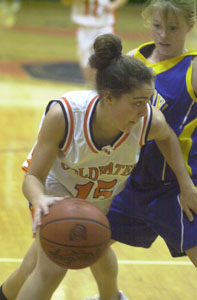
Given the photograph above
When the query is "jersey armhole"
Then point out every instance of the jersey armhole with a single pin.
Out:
(68, 116)
(66, 129)
(146, 126)
(149, 123)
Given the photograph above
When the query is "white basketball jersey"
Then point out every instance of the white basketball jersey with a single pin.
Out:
(86, 171)
(91, 13)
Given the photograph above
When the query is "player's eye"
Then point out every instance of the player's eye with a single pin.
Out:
(173, 28)
(157, 26)
(138, 104)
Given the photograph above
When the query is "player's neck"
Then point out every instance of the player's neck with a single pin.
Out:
(102, 129)
(156, 56)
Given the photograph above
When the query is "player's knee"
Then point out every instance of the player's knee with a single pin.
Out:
(27, 266)
(50, 271)
(52, 277)
(25, 270)
(106, 265)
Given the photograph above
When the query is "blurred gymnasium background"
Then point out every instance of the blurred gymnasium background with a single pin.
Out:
(38, 62)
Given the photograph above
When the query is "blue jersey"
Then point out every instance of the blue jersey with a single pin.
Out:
(179, 105)
(150, 205)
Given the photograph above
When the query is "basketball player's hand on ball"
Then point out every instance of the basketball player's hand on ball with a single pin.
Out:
(188, 199)
(41, 207)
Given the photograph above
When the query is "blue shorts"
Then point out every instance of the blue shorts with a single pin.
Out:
(138, 216)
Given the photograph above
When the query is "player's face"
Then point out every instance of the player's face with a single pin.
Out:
(127, 110)
(169, 34)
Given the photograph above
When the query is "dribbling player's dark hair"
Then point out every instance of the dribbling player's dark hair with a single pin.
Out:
(119, 74)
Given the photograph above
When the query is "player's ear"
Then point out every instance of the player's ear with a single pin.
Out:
(191, 26)
(107, 97)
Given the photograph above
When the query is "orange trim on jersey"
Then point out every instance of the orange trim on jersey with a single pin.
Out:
(28, 160)
(24, 168)
(71, 124)
(87, 7)
(95, 11)
(86, 125)
(141, 139)
(32, 210)
(115, 13)
(114, 28)
(121, 140)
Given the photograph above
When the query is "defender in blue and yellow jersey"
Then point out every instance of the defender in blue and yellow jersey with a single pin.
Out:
(179, 105)
(150, 204)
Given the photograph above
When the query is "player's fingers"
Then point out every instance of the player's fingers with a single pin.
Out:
(189, 214)
(50, 201)
(37, 221)
(45, 207)
(34, 228)
(60, 198)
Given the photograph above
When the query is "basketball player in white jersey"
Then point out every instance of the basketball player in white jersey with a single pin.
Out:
(92, 18)
(87, 138)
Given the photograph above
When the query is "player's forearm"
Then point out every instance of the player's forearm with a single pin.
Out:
(33, 188)
(171, 150)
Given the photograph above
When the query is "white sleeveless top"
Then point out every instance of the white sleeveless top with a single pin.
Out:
(90, 13)
(86, 171)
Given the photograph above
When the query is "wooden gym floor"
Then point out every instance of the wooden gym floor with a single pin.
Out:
(44, 33)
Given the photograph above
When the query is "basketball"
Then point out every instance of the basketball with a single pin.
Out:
(75, 233)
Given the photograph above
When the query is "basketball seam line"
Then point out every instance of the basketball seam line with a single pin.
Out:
(73, 219)
(74, 246)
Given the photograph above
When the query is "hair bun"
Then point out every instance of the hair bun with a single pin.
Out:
(107, 47)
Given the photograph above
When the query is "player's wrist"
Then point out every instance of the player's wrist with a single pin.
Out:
(186, 183)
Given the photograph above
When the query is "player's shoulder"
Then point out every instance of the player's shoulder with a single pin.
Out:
(55, 116)
(158, 123)
(79, 100)
(157, 115)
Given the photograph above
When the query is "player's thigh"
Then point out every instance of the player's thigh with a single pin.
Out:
(44, 265)
(30, 258)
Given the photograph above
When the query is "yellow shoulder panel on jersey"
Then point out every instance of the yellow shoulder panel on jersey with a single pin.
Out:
(185, 139)
(189, 83)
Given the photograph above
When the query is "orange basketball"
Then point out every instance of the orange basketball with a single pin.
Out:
(75, 233)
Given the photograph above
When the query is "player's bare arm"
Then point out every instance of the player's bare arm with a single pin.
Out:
(47, 147)
(168, 145)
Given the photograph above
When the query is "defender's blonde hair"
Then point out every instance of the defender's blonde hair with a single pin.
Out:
(185, 7)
